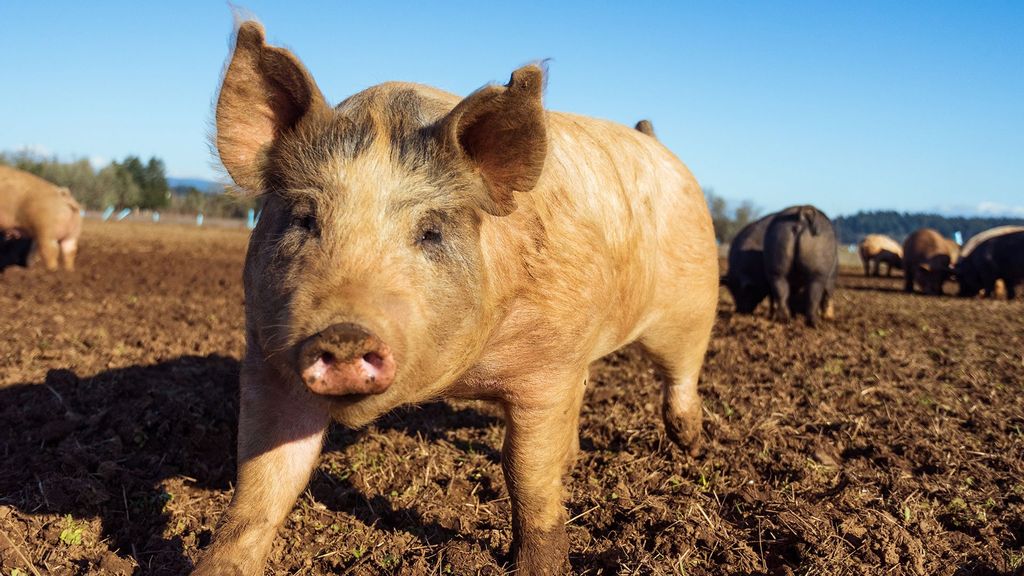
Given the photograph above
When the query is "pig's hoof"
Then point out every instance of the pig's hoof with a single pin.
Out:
(542, 553)
(217, 568)
(683, 430)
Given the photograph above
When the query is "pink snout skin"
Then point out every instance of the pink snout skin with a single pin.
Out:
(345, 359)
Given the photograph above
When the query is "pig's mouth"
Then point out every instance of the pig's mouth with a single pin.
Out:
(345, 360)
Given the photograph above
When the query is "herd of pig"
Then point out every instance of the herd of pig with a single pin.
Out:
(790, 257)
(415, 245)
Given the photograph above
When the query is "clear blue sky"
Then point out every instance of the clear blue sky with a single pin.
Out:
(857, 105)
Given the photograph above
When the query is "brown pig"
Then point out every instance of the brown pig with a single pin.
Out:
(415, 245)
(31, 207)
(880, 249)
(928, 260)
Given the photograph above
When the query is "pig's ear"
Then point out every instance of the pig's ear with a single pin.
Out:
(266, 91)
(501, 131)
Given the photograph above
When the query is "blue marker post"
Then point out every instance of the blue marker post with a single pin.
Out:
(123, 214)
(156, 216)
(958, 238)
(251, 223)
(199, 219)
(107, 213)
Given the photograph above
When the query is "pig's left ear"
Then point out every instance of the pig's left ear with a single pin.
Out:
(266, 91)
(501, 132)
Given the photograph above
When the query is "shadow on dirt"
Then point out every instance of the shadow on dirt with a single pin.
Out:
(105, 446)
(875, 288)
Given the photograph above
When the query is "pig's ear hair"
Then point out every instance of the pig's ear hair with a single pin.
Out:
(264, 93)
(501, 131)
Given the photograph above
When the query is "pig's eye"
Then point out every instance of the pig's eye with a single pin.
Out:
(307, 222)
(430, 236)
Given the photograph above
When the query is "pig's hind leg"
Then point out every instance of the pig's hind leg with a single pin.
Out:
(816, 301)
(280, 431)
(677, 347)
(49, 250)
(68, 249)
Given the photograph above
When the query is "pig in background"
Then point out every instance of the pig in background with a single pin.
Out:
(878, 249)
(32, 208)
(789, 256)
(801, 262)
(928, 260)
(993, 255)
(415, 245)
(746, 278)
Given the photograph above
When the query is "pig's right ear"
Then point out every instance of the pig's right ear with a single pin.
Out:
(501, 132)
(266, 91)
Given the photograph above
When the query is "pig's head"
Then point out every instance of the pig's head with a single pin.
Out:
(746, 292)
(969, 278)
(365, 280)
(933, 273)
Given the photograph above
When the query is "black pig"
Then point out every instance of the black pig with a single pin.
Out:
(801, 263)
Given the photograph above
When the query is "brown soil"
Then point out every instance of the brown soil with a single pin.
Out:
(890, 441)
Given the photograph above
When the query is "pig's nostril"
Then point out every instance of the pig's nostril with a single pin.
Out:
(374, 359)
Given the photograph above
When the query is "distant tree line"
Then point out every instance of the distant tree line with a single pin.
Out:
(851, 229)
(130, 183)
(126, 184)
(728, 218)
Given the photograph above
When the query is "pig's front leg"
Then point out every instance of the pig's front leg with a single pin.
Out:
(540, 443)
(280, 432)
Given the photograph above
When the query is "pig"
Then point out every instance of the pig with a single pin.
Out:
(880, 249)
(801, 264)
(746, 278)
(415, 245)
(997, 255)
(31, 207)
(928, 260)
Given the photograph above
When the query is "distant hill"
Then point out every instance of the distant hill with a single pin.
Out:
(851, 229)
(207, 186)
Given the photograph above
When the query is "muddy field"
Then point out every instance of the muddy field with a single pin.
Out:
(888, 442)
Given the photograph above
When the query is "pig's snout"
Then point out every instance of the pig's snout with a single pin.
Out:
(346, 359)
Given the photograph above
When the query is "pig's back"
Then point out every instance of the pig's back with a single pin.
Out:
(876, 243)
(30, 202)
(15, 186)
(628, 219)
